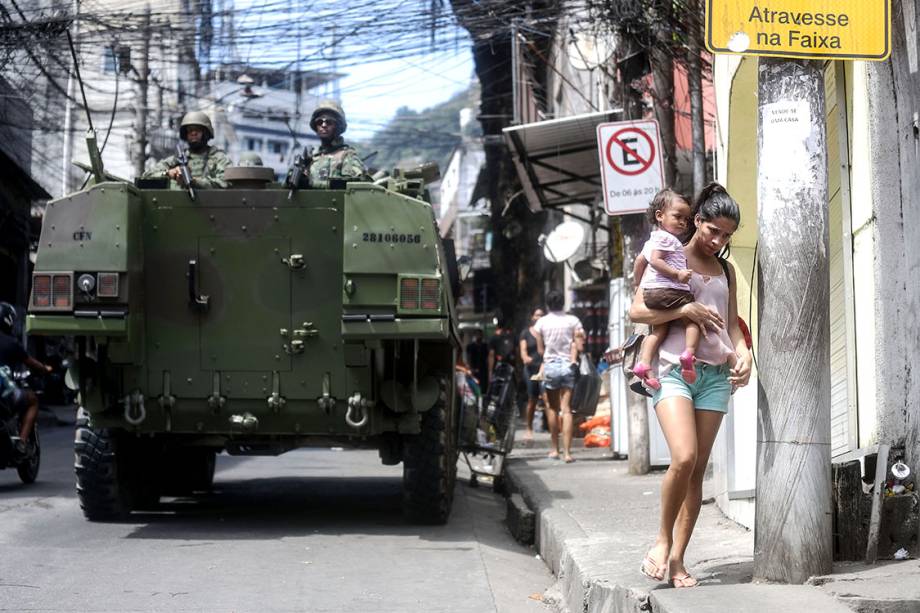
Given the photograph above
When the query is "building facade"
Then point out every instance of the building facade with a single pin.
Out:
(873, 202)
(19, 192)
(264, 111)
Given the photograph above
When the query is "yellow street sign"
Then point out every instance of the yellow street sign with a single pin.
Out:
(836, 29)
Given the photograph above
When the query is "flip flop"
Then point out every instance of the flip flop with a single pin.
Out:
(685, 579)
(652, 570)
(569, 460)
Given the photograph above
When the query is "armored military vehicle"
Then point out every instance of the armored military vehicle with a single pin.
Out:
(253, 320)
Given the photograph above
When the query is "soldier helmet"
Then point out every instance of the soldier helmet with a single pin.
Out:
(7, 317)
(250, 158)
(329, 107)
(196, 118)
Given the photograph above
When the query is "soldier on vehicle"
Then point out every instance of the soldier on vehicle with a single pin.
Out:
(206, 163)
(334, 159)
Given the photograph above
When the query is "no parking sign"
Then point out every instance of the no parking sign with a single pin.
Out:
(630, 158)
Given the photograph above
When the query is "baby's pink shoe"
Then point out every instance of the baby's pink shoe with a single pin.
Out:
(643, 371)
(687, 369)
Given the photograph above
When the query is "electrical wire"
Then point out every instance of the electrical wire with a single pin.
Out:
(395, 36)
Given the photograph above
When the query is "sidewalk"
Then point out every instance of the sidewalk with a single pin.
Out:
(594, 524)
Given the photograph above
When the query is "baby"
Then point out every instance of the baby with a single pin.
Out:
(665, 281)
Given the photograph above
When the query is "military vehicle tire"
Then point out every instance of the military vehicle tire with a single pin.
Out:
(103, 484)
(430, 463)
(201, 476)
(189, 470)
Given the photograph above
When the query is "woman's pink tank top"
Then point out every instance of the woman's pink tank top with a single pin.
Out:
(717, 346)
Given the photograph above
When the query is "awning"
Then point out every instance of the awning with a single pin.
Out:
(556, 160)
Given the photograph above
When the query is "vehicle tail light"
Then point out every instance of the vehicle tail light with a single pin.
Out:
(408, 293)
(41, 290)
(52, 291)
(107, 285)
(431, 294)
(62, 291)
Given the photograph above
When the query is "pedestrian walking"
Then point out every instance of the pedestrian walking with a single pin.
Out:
(690, 413)
(557, 333)
(532, 360)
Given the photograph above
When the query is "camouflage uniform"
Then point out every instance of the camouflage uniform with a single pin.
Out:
(207, 169)
(335, 161)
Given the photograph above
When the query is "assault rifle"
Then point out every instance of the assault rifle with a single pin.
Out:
(182, 158)
(300, 169)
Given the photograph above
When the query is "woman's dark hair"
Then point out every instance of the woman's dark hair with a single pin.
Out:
(712, 203)
(555, 301)
(661, 201)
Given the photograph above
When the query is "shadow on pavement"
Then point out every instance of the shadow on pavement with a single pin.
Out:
(280, 507)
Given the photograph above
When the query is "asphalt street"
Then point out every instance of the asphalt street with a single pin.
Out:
(311, 530)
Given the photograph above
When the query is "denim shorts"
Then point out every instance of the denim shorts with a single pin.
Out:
(558, 374)
(711, 392)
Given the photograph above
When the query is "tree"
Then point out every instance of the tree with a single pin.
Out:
(412, 137)
(516, 258)
(669, 32)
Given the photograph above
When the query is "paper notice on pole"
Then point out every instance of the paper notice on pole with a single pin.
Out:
(785, 132)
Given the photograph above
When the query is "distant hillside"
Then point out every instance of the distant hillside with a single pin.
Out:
(413, 137)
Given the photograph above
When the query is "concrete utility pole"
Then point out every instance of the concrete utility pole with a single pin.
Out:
(793, 523)
(635, 233)
(143, 82)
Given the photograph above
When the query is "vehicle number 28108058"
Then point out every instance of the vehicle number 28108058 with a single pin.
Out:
(391, 237)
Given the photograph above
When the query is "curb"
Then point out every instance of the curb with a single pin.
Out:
(583, 582)
(520, 520)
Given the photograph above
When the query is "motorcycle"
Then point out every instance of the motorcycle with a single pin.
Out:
(487, 424)
(26, 464)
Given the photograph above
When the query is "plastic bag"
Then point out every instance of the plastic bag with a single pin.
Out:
(587, 388)
(585, 366)
(598, 421)
(598, 437)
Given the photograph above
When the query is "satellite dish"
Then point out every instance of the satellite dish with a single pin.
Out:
(588, 50)
(564, 241)
(589, 269)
